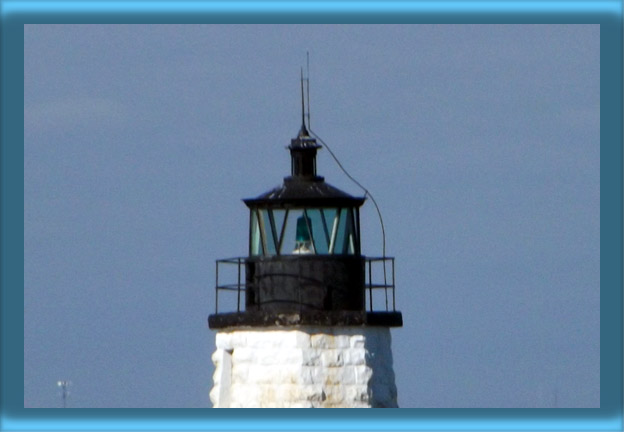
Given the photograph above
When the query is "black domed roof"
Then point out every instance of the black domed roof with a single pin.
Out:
(303, 192)
(303, 187)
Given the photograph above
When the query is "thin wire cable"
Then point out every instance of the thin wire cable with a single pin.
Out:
(367, 193)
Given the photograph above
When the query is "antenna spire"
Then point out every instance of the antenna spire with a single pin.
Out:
(308, 85)
(304, 128)
(303, 123)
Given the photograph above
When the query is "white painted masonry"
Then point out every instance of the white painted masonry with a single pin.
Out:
(304, 367)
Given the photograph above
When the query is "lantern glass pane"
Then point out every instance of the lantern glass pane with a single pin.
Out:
(332, 217)
(298, 234)
(255, 245)
(320, 232)
(279, 219)
(345, 233)
(267, 231)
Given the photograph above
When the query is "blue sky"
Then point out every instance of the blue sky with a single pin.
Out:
(480, 144)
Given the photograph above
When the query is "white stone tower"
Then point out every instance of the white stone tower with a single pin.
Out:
(308, 335)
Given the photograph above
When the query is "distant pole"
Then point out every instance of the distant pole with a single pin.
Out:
(63, 385)
(556, 397)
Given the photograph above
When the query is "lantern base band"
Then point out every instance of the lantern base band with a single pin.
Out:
(321, 318)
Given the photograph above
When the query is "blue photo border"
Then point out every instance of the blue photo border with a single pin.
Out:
(14, 14)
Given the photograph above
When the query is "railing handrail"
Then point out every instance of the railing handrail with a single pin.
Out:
(233, 260)
(378, 258)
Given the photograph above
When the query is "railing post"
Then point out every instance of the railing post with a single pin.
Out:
(385, 282)
(217, 288)
(239, 286)
(370, 285)
(393, 288)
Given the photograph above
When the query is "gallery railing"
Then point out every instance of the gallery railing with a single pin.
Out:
(379, 282)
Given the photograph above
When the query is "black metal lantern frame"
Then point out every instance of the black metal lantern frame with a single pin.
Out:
(305, 264)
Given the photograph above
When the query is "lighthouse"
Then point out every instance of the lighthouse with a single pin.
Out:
(311, 316)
